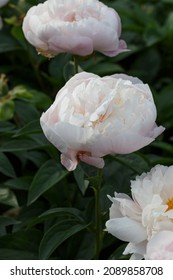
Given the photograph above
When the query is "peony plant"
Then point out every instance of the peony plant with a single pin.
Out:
(95, 116)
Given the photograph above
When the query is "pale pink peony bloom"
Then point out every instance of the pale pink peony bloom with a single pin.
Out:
(139, 219)
(160, 247)
(73, 26)
(3, 3)
(92, 117)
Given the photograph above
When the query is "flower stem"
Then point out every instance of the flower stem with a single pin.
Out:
(75, 64)
(98, 224)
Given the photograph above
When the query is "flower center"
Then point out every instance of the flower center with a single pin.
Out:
(170, 204)
(70, 17)
(101, 118)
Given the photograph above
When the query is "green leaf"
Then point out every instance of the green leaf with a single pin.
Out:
(17, 33)
(150, 59)
(7, 43)
(68, 70)
(153, 34)
(105, 203)
(57, 63)
(21, 183)
(24, 242)
(11, 254)
(135, 162)
(85, 248)
(54, 212)
(118, 254)
(6, 110)
(30, 128)
(56, 235)
(37, 157)
(6, 127)
(168, 1)
(25, 111)
(163, 146)
(168, 25)
(5, 166)
(6, 221)
(28, 214)
(49, 174)
(19, 145)
(79, 175)
(106, 68)
(40, 99)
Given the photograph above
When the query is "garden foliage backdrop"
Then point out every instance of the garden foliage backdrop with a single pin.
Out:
(47, 212)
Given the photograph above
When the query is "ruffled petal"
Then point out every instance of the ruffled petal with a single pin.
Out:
(97, 162)
(126, 229)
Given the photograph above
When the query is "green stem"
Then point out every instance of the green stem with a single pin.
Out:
(98, 222)
(75, 64)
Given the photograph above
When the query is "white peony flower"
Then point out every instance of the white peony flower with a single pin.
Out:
(150, 210)
(92, 117)
(160, 247)
(74, 26)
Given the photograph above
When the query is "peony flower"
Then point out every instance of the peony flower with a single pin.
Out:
(140, 219)
(3, 3)
(160, 247)
(74, 26)
(92, 117)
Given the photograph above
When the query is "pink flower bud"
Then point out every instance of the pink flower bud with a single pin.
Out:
(73, 26)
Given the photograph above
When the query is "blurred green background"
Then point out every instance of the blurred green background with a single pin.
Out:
(45, 211)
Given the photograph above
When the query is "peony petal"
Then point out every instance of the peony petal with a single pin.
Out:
(137, 249)
(80, 76)
(54, 138)
(97, 162)
(130, 209)
(65, 136)
(126, 229)
(124, 143)
(125, 77)
(80, 45)
(160, 247)
(69, 164)
(122, 47)
(115, 209)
